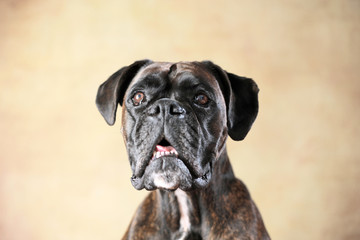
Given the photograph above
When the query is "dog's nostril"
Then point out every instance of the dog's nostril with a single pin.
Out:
(174, 110)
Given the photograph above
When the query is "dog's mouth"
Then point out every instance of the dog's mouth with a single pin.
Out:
(166, 169)
(164, 148)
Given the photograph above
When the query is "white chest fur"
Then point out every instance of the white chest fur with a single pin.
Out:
(185, 207)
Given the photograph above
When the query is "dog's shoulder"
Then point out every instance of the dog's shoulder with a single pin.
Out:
(141, 223)
(247, 212)
(234, 208)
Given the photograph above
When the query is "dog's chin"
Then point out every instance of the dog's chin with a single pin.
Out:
(168, 173)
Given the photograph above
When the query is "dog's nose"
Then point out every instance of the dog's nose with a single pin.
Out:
(166, 107)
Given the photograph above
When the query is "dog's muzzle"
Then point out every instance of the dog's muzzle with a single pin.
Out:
(171, 162)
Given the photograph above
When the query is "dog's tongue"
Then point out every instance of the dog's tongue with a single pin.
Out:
(160, 148)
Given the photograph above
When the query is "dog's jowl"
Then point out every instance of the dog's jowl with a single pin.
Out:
(176, 118)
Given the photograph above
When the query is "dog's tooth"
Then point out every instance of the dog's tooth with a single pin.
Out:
(158, 154)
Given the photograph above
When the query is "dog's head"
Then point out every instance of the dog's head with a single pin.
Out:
(176, 118)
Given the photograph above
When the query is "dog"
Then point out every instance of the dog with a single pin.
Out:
(176, 118)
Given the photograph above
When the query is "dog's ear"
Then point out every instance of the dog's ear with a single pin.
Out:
(241, 98)
(112, 91)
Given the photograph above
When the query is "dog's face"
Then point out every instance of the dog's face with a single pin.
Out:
(176, 118)
(174, 125)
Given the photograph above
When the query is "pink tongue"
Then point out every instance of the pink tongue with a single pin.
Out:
(160, 148)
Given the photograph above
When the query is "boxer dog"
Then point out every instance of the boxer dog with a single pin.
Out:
(175, 121)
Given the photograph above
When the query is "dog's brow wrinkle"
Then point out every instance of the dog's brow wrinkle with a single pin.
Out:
(173, 70)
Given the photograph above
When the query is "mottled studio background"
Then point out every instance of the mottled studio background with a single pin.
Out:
(64, 173)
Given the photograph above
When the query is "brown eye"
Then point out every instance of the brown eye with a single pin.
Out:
(201, 99)
(138, 98)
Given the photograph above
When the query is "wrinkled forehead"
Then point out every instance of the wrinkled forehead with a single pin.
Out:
(177, 72)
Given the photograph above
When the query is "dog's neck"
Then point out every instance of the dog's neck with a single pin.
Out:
(186, 217)
(186, 210)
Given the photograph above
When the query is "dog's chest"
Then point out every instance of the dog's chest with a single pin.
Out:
(185, 207)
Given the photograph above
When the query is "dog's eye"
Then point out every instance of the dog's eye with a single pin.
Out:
(201, 99)
(138, 98)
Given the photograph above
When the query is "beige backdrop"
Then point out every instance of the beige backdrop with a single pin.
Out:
(64, 173)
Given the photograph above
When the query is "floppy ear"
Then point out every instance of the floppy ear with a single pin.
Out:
(241, 98)
(112, 91)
